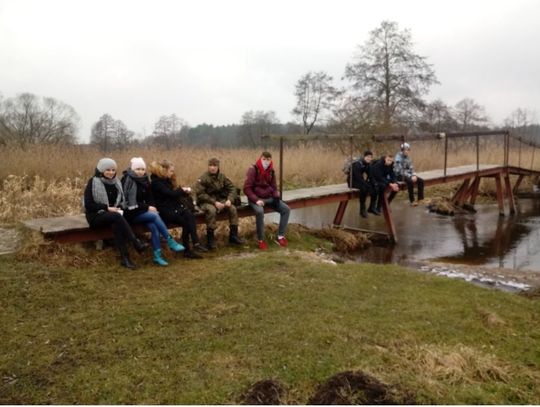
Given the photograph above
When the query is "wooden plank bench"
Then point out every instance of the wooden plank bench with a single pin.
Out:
(75, 228)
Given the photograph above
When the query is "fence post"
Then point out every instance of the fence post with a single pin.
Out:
(445, 153)
(281, 167)
(519, 154)
(477, 152)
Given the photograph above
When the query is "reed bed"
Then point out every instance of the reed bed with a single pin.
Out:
(45, 180)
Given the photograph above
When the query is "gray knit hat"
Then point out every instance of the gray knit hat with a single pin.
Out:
(105, 164)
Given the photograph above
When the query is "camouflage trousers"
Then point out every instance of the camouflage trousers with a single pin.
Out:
(210, 214)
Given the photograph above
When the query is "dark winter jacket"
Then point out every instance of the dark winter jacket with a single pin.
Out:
(169, 200)
(145, 198)
(380, 175)
(91, 207)
(259, 185)
(359, 168)
(214, 187)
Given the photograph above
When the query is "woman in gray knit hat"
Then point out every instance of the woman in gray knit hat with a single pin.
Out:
(103, 203)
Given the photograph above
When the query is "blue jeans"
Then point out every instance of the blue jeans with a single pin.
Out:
(279, 206)
(153, 221)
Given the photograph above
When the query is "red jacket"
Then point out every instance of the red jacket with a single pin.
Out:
(260, 184)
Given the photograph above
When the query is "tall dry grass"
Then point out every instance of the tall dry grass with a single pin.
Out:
(49, 180)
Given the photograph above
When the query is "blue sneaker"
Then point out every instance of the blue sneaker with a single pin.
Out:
(174, 245)
(158, 259)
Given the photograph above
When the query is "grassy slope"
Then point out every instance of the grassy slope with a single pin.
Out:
(202, 331)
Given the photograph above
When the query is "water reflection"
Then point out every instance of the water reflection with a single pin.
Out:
(483, 238)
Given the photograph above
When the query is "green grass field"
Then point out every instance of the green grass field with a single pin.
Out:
(203, 331)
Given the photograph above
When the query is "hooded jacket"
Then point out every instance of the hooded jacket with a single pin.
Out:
(260, 183)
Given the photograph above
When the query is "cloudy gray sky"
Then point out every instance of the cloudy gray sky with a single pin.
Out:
(211, 61)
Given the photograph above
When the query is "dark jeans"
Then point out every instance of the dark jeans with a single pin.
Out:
(279, 206)
(186, 220)
(120, 227)
(153, 221)
(365, 190)
(379, 193)
(410, 187)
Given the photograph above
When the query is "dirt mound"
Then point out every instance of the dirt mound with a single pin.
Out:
(264, 392)
(356, 388)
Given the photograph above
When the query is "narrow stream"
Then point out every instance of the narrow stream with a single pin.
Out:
(484, 238)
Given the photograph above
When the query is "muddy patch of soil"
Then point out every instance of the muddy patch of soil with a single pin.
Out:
(264, 392)
(357, 388)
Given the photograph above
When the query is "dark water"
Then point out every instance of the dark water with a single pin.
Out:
(483, 238)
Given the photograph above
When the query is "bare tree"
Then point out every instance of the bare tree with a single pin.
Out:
(169, 130)
(109, 134)
(29, 119)
(470, 114)
(315, 95)
(438, 116)
(256, 124)
(389, 75)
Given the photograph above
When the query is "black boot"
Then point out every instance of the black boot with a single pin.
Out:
(363, 212)
(211, 241)
(190, 254)
(125, 260)
(198, 247)
(233, 236)
(140, 246)
(372, 209)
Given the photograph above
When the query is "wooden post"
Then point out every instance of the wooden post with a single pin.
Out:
(509, 193)
(477, 152)
(281, 167)
(445, 154)
(518, 183)
(457, 199)
(500, 198)
(387, 213)
(474, 190)
(340, 212)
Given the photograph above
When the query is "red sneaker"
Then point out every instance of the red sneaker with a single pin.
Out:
(262, 245)
(282, 241)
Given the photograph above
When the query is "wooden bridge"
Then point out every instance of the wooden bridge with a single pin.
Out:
(73, 229)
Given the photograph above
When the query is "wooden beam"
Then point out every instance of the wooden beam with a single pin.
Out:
(457, 199)
(387, 213)
(518, 183)
(510, 194)
(500, 199)
(474, 190)
(340, 212)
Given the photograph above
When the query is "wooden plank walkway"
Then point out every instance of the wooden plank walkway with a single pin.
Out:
(74, 229)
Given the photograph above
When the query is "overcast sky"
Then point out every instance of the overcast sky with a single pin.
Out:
(211, 61)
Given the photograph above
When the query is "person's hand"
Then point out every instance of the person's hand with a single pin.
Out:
(113, 209)
(187, 189)
(228, 203)
(394, 187)
(219, 205)
(260, 202)
(152, 209)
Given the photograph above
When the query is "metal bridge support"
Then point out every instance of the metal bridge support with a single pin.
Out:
(500, 194)
(509, 194)
(340, 212)
(387, 213)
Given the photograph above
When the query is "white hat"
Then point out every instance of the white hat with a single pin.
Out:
(137, 162)
(405, 146)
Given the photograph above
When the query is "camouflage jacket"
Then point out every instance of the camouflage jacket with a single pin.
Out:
(210, 188)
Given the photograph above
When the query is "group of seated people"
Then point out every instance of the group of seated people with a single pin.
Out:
(374, 177)
(153, 197)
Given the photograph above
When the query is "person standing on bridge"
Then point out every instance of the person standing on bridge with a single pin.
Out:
(216, 193)
(261, 190)
(175, 205)
(140, 208)
(103, 203)
(381, 176)
(404, 170)
(360, 180)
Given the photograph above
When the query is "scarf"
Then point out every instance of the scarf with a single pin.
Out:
(130, 187)
(99, 192)
(266, 175)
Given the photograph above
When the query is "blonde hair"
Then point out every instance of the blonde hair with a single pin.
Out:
(160, 169)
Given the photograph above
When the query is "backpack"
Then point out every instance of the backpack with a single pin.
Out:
(347, 168)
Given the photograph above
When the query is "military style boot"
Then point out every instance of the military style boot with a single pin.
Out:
(211, 241)
(233, 236)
